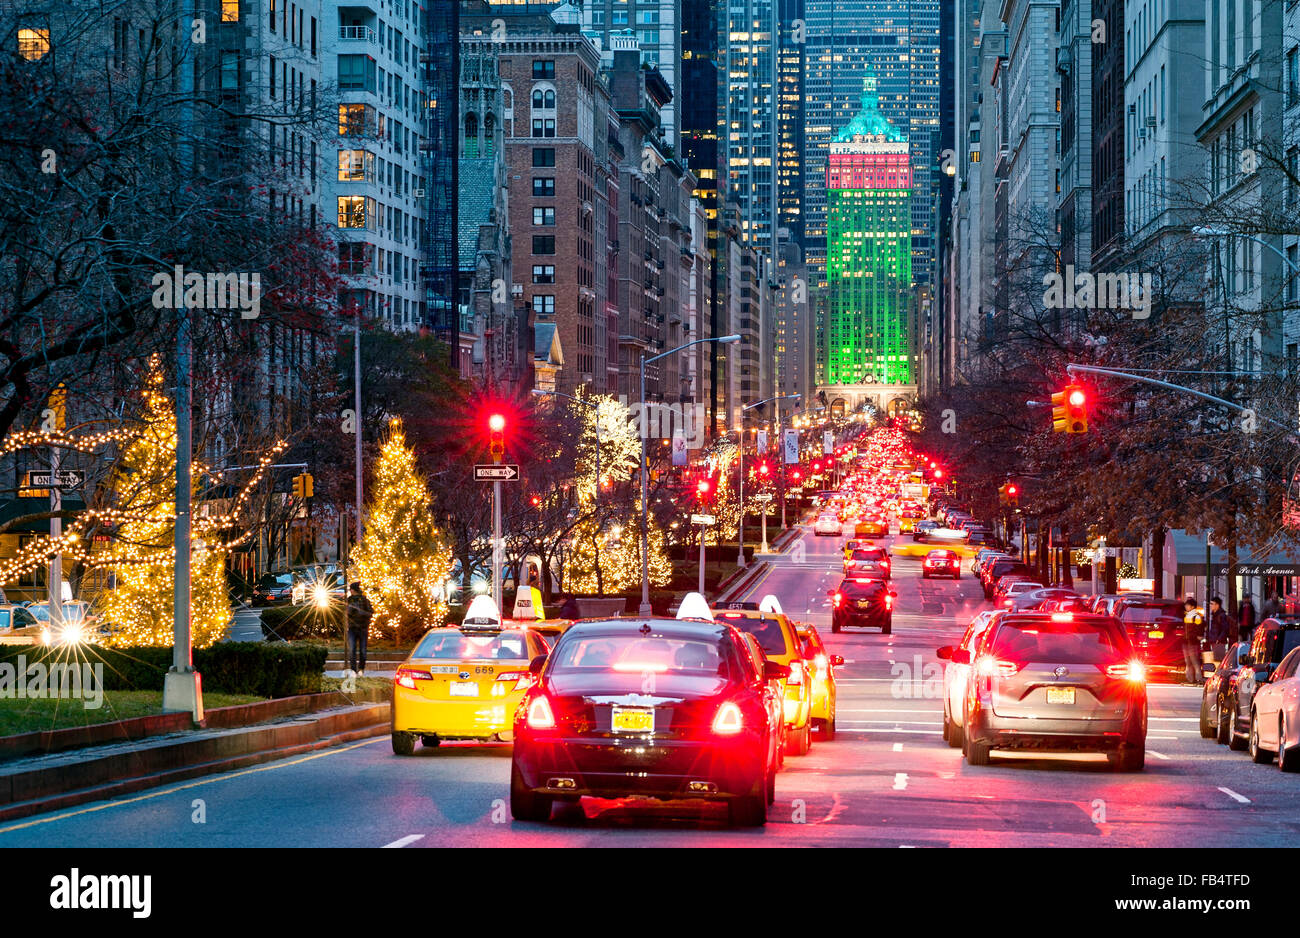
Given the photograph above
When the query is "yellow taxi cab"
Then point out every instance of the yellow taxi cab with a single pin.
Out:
(871, 527)
(464, 682)
(821, 667)
(907, 523)
(780, 643)
(851, 545)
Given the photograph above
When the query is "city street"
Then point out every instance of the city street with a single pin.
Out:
(887, 780)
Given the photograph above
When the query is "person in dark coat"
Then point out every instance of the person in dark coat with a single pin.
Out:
(1193, 632)
(359, 614)
(569, 608)
(1245, 620)
(1219, 629)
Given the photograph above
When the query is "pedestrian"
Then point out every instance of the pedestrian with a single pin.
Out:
(1246, 619)
(359, 614)
(1272, 608)
(569, 608)
(1219, 630)
(1193, 632)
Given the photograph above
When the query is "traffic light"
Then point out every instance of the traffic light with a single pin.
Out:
(702, 489)
(764, 469)
(497, 436)
(535, 501)
(1070, 410)
(1013, 495)
(302, 485)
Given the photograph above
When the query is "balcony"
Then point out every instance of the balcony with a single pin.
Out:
(358, 34)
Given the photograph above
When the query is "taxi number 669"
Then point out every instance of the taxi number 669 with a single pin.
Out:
(483, 669)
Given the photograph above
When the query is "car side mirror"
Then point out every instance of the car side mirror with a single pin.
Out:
(535, 666)
(945, 652)
(775, 671)
(960, 656)
(837, 660)
(1263, 673)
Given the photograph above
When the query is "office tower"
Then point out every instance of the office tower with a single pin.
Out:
(1108, 125)
(790, 120)
(868, 336)
(658, 27)
(900, 40)
(751, 118)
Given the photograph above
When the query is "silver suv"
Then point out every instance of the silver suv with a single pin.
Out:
(1060, 681)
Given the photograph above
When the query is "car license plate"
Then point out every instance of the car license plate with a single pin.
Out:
(633, 720)
(443, 669)
(464, 689)
(1060, 695)
(1155, 634)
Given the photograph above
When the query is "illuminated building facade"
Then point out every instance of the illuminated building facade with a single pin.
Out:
(867, 338)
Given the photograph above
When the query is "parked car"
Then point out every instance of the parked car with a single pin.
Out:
(1274, 639)
(1275, 716)
(1220, 684)
(983, 556)
(998, 568)
(273, 589)
(1038, 599)
(1008, 589)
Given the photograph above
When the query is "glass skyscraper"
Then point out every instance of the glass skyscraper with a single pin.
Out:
(868, 182)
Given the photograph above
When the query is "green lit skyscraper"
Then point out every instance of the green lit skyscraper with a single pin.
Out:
(867, 338)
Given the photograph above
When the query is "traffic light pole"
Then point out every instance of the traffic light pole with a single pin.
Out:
(496, 545)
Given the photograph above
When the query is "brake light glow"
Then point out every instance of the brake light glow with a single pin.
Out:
(838, 599)
(889, 601)
(540, 716)
(1134, 671)
(821, 662)
(990, 667)
(796, 673)
(639, 667)
(407, 677)
(523, 680)
(729, 721)
(1063, 617)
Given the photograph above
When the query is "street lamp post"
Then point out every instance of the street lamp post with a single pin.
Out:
(740, 530)
(645, 608)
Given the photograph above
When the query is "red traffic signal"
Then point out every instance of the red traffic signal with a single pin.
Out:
(764, 468)
(535, 501)
(1012, 490)
(497, 435)
(497, 423)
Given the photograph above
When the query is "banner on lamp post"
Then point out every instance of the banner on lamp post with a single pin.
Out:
(828, 443)
(791, 447)
(680, 452)
(762, 441)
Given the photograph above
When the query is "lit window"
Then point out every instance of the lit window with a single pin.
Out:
(352, 211)
(230, 11)
(33, 43)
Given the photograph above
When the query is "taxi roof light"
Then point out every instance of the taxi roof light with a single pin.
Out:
(694, 606)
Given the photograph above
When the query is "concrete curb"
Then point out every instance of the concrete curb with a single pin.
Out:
(743, 582)
(40, 788)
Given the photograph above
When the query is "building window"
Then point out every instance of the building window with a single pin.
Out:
(356, 73)
(230, 71)
(230, 11)
(1293, 78)
(618, 18)
(354, 258)
(543, 68)
(544, 186)
(543, 127)
(543, 156)
(352, 211)
(356, 120)
(544, 99)
(543, 273)
(544, 217)
(356, 166)
(543, 244)
(544, 305)
(33, 42)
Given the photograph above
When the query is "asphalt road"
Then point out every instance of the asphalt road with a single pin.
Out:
(887, 780)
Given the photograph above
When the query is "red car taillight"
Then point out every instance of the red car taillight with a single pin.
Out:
(1134, 671)
(407, 677)
(990, 667)
(796, 673)
(838, 599)
(889, 601)
(540, 716)
(523, 680)
(729, 720)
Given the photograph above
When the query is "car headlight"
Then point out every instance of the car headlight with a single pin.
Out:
(320, 596)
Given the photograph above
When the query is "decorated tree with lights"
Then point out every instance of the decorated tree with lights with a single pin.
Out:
(402, 561)
(141, 554)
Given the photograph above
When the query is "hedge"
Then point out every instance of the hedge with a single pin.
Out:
(289, 623)
(255, 668)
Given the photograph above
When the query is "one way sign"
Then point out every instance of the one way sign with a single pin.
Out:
(494, 473)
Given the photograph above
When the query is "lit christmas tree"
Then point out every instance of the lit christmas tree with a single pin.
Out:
(142, 556)
(402, 562)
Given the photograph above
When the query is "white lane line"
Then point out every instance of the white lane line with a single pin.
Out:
(900, 781)
(1158, 755)
(1175, 738)
(898, 747)
(408, 839)
(918, 732)
(895, 722)
(1174, 719)
(887, 710)
(1234, 796)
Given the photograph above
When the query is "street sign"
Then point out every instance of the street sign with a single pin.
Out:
(703, 519)
(495, 473)
(765, 497)
(45, 479)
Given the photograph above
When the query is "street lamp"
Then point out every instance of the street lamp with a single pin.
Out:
(1204, 233)
(645, 608)
(740, 530)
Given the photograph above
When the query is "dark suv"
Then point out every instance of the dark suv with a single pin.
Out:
(1056, 681)
(1273, 640)
(1155, 627)
(863, 603)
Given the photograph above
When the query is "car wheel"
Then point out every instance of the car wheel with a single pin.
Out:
(1223, 731)
(1130, 759)
(403, 744)
(750, 810)
(1208, 729)
(977, 753)
(1236, 742)
(802, 741)
(1287, 761)
(947, 726)
(956, 734)
(526, 805)
(925, 575)
(828, 727)
(430, 742)
(1258, 754)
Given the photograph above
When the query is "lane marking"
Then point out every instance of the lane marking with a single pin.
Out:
(900, 781)
(1234, 796)
(408, 839)
(898, 747)
(204, 781)
(1158, 755)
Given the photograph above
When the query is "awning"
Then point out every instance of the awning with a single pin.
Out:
(1185, 555)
